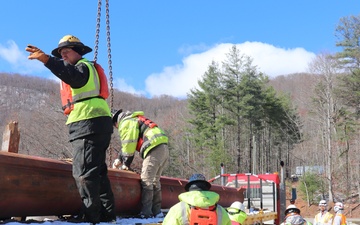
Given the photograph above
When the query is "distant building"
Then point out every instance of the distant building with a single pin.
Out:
(300, 170)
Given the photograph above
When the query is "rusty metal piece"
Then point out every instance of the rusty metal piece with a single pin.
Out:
(11, 138)
(36, 186)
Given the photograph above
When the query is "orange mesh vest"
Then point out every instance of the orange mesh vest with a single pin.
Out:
(143, 124)
(200, 216)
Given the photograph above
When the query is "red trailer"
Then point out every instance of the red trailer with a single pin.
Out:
(263, 194)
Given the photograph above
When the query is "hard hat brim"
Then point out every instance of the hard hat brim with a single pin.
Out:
(116, 115)
(289, 210)
(80, 48)
(233, 208)
(187, 186)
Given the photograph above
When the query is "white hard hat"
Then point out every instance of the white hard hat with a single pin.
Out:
(338, 206)
(119, 115)
(322, 203)
(292, 209)
(237, 205)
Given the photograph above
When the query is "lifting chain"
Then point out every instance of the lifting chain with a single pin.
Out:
(96, 48)
(109, 54)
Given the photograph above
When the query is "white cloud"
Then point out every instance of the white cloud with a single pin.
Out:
(121, 85)
(177, 80)
(18, 60)
(11, 52)
(276, 61)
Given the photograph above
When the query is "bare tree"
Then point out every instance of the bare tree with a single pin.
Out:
(326, 68)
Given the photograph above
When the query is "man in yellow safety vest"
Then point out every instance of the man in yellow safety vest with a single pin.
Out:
(323, 217)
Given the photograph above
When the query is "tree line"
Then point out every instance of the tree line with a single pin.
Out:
(237, 116)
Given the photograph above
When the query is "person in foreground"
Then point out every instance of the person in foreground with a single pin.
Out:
(323, 217)
(339, 218)
(197, 205)
(89, 123)
(138, 133)
(237, 213)
(293, 217)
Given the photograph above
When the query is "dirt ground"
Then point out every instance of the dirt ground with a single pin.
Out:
(352, 210)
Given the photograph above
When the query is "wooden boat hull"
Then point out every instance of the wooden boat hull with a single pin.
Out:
(36, 186)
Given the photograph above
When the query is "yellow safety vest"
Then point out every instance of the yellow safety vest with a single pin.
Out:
(91, 107)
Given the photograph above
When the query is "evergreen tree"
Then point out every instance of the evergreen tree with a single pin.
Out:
(205, 106)
(234, 109)
(311, 185)
(282, 124)
(348, 33)
(238, 92)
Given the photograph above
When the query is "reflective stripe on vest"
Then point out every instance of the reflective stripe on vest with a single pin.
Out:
(147, 143)
(185, 219)
(92, 75)
(324, 219)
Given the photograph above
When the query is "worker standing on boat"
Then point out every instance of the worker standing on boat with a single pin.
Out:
(138, 133)
(89, 123)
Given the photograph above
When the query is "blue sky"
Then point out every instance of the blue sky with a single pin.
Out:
(164, 47)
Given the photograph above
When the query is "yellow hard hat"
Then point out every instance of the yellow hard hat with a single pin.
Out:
(73, 42)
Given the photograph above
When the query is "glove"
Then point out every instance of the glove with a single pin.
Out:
(127, 160)
(116, 164)
(123, 167)
(36, 53)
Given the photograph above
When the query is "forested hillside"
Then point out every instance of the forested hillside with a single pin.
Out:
(35, 103)
(237, 116)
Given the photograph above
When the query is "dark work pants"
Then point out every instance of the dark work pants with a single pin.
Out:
(90, 173)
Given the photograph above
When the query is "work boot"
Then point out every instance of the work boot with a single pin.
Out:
(143, 216)
(156, 202)
(107, 218)
(159, 215)
(146, 200)
(76, 219)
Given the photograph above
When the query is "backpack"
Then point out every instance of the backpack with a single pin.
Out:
(200, 216)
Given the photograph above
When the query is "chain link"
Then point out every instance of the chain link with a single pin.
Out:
(96, 48)
(110, 69)
(109, 54)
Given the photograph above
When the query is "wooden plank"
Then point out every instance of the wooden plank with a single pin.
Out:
(260, 218)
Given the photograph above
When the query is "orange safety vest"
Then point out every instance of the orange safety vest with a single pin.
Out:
(143, 124)
(66, 94)
(211, 215)
(343, 219)
(200, 216)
